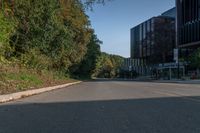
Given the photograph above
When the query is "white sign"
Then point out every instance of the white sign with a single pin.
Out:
(176, 55)
(130, 68)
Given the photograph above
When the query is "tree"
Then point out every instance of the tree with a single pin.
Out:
(7, 26)
(107, 66)
(195, 59)
(40, 30)
(59, 30)
(87, 65)
(74, 17)
(89, 3)
(54, 35)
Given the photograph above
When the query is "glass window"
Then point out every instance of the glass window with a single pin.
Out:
(196, 9)
(144, 30)
(190, 32)
(186, 36)
(148, 50)
(198, 31)
(187, 10)
(144, 51)
(182, 36)
(140, 32)
(152, 25)
(148, 26)
(199, 9)
(195, 31)
(140, 49)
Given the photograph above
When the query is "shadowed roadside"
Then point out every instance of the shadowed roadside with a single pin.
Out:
(153, 115)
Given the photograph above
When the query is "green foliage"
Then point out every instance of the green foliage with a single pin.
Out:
(34, 59)
(24, 80)
(7, 26)
(89, 3)
(195, 59)
(74, 17)
(58, 29)
(87, 66)
(107, 66)
(50, 34)
(53, 35)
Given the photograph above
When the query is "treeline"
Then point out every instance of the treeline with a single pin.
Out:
(53, 35)
(108, 66)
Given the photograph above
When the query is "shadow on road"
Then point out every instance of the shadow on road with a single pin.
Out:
(161, 115)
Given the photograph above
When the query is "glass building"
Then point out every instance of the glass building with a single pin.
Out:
(142, 43)
(170, 13)
(188, 23)
(138, 48)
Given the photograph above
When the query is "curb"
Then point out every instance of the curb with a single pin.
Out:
(179, 81)
(19, 95)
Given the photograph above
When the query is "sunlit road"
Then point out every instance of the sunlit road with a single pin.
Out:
(107, 107)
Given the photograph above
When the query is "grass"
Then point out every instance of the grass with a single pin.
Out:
(14, 78)
(24, 80)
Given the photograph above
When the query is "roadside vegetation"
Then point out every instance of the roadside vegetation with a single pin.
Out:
(195, 59)
(15, 78)
(195, 63)
(108, 66)
(49, 42)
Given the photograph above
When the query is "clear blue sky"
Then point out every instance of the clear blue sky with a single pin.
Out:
(113, 21)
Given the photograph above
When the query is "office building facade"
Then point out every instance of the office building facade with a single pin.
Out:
(143, 44)
(188, 23)
(170, 13)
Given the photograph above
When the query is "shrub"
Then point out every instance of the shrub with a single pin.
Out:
(7, 26)
(34, 59)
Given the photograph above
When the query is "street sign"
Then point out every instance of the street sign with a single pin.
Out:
(176, 55)
(130, 68)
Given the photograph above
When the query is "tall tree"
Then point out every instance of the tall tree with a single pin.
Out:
(7, 26)
(195, 59)
(107, 66)
(57, 29)
(87, 65)
(74, 17)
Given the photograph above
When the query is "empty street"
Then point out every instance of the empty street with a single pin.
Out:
(107, 107)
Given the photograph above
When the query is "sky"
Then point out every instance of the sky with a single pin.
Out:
(112, 22)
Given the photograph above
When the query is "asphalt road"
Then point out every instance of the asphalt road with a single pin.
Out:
(107, 107)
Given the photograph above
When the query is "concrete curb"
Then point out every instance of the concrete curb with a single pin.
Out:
(178, 81)
(19, 95)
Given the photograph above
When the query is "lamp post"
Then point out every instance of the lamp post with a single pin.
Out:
(177, 35)
(176, 58)
(178, 65)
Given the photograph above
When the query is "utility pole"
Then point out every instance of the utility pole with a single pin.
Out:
(178, 65)
(177, 36)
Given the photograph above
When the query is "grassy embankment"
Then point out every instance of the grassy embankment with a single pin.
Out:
(14, 78)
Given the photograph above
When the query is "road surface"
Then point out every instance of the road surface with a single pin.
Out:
(107, 107)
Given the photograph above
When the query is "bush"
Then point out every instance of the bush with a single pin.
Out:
(7, 26)
(34, 59)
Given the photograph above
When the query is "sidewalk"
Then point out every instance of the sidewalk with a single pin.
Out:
(19, 95)
(178, 81)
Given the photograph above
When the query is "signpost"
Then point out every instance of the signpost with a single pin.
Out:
(130, 70)
(176, 58)
(176, 55)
